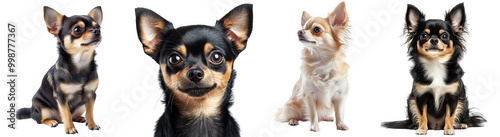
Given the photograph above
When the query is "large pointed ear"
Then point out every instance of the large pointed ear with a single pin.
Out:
(96, 14)
(150, 28)
(413, 18)
(53, 20)
(237, 24)
(456, 17)
(338, 18)
(305, 17)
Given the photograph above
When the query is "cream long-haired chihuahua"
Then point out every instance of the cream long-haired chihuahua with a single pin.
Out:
(322, 87)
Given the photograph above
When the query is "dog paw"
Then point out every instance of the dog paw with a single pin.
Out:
(342, 126)
(421, 132)
(293, 122)
(449, 132)
(314, 128)
(71, 130)
(93, 126)
(329, 119)
(51, 123)
(79, 119)
(461, 126)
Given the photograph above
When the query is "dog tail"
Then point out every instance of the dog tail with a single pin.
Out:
(23, 113)
(476, 120)
(404, 124)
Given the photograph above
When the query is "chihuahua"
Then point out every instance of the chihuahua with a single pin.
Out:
(196, 71)
(68, 88)
(438, 99)
(322, 87)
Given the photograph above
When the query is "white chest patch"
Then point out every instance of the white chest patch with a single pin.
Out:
(436, 70)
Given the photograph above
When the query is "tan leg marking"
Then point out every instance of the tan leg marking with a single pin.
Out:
(448, 122)
(90, 115)
(47, 118)
(422, 121)
(66, 118)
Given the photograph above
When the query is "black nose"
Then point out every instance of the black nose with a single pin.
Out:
(434, 41)
(97, 31)
(195, 75)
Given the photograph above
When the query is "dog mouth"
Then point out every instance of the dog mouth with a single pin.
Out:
(434, 50)
(93, 42)
(197, 91)
(303, 40)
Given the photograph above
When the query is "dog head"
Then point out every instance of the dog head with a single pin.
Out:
(318, 31)
(196, 60)
(435, 39)
(77, 33)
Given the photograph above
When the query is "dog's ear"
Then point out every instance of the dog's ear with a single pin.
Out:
(96, 14)
(338, 18)
(237, 25)
(413, 18)
(53, 20)
(150, 28)
(305, 17)
(456, 17)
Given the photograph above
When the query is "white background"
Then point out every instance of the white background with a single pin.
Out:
(129, 97)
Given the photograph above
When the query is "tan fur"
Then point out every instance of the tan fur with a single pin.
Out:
(182, 50)
(441, 31)
(50, 117)
(449, 119)
(208, 48)
(237, 30)
(150, 37)
(422, 121)
(66, 117)
(89, 114)
(322, 87)
(441, 55)
(205, 105)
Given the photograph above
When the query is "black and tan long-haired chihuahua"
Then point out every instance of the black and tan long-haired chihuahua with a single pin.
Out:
(196, 71)
(438, 99)
(68, 88)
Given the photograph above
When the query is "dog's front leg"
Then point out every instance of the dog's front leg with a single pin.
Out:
(66, 117)
(422, 120)
(310, 101)
(90, 89)
(339, 112)
(89, 115)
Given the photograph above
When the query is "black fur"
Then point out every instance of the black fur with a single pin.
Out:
(66, 71)
(454, 72)
(175, 122)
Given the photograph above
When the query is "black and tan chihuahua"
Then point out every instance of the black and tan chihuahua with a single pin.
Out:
(438, 99)
(68, 88)
(196, 71)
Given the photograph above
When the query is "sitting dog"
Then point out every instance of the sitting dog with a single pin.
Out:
(68, 88)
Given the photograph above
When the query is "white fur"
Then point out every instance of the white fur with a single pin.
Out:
(436, 70)
(321, 89)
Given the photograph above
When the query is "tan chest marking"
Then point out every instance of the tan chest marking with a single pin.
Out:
(437, 91)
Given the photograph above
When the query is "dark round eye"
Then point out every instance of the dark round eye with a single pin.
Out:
(216, 58)
(317, 30)
(424, 36)
(174, 59)
(444, 36)
(77, 30)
